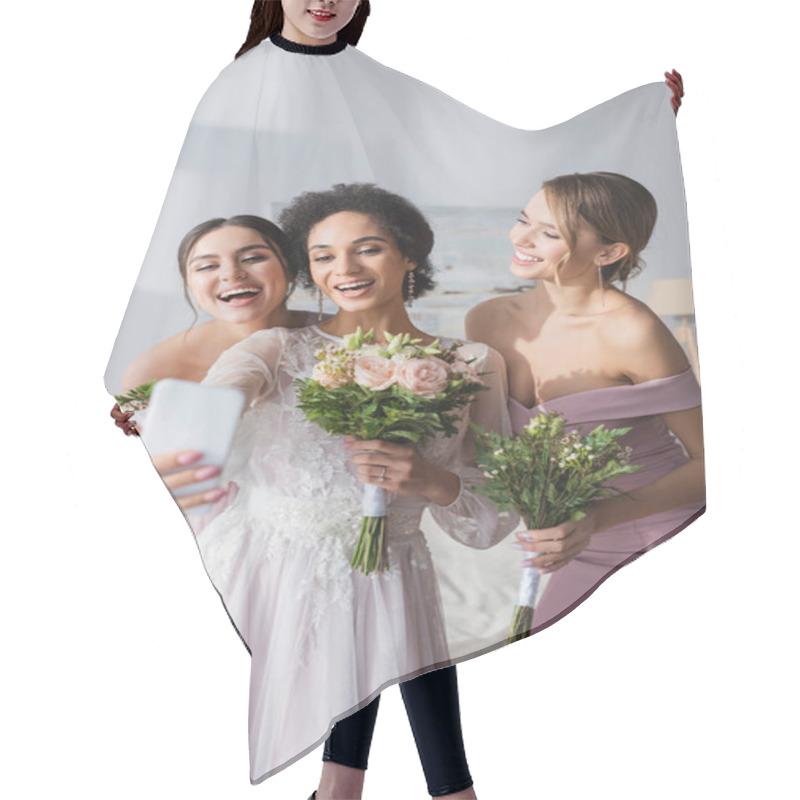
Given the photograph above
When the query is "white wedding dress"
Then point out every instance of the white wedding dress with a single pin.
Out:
(324, 638)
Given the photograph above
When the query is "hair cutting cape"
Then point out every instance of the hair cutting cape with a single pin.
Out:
(324, 638)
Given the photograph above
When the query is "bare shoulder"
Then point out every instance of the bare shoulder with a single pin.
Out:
(642, 346)
(172, 358)
(484, 322)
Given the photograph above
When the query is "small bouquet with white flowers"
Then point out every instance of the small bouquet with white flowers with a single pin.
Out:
(548, 476)
(396, 392)
(136, 399)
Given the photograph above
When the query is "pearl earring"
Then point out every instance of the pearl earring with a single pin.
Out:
(411, 283)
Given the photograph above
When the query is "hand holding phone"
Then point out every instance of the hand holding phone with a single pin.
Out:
(188, 431)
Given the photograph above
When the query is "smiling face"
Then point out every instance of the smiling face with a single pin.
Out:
(235, 275)
(316, 22)
(355, 263)
(541, 251)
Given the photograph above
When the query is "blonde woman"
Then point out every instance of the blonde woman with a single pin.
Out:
(577, 343)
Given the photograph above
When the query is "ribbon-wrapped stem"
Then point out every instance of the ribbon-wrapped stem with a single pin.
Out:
(522, 621)
(371, 554)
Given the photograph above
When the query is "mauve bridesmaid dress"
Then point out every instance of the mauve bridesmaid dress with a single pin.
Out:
(657, 452)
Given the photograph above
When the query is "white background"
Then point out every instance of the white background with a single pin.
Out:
(121, 676)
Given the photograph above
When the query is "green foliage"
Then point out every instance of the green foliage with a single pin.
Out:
(395, 414)
(371, 554)
(136, 399)
(395, 345)
(549, 476)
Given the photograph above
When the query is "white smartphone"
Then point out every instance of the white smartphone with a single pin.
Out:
(183, 415)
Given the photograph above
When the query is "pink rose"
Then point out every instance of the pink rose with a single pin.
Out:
(375, 372)
(423, 376)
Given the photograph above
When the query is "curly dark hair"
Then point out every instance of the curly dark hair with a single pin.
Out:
(397, 217)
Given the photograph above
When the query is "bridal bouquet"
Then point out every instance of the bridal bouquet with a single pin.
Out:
(548, 476)
(398, 392)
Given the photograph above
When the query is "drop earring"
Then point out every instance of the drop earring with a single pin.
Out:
(411, 283)
(319, 305)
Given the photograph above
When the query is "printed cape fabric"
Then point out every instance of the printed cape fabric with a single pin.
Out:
(324, 638)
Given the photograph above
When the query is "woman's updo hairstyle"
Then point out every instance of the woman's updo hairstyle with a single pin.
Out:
(397, 217)
(616, 207)
(266, 19)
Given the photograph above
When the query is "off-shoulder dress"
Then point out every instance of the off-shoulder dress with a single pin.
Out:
(654, 449)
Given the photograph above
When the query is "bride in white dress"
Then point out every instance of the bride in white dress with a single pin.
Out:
(326, 639)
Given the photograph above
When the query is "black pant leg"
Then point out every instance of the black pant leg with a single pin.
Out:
(351, 738)
(433, 710)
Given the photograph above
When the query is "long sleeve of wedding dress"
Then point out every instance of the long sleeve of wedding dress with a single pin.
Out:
(471, 518)
(250, 365)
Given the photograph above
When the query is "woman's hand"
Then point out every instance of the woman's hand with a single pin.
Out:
(123, 421)
(167, 462)
(398, 468)
(556, 547)
(675, 82)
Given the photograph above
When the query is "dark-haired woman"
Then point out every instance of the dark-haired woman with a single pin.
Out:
(306, 22)
(324, 638)
(238, 271)
(296, 23)
(579, 345)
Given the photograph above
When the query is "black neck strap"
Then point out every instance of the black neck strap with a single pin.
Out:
(308, 49)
